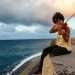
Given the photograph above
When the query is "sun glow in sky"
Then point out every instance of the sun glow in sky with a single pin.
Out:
(65, 6)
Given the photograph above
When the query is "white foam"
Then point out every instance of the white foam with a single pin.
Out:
(23, 62)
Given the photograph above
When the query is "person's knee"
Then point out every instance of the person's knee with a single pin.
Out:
(45, 52)
(46, 49)
(69, 52)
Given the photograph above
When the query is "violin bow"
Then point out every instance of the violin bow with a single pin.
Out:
(69, 17)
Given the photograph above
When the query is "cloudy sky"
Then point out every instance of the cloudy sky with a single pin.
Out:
(30, 19)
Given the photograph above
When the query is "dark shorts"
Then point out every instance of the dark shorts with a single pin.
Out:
(56, 50)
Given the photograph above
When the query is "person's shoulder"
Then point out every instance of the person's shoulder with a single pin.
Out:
(68, 27)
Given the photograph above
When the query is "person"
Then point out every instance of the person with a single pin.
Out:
(62, 44)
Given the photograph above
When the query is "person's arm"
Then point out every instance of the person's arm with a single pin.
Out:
(53, 29)
(66, 35)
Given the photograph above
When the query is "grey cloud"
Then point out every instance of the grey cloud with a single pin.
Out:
(6, 28)
(32, 11)
(40, 28)
(25, 11)
(8, 31)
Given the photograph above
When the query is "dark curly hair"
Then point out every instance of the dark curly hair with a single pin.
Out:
(57, 16)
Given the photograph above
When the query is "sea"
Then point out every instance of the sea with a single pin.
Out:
(14, 51)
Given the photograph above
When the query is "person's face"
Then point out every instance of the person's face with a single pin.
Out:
(60, 22)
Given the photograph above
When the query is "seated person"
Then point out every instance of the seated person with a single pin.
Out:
(63, 41)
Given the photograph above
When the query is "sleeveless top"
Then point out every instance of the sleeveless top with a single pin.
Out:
(61, 42)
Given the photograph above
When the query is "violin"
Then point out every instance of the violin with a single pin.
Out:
(65, 27)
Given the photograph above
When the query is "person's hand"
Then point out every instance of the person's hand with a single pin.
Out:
(59, 27)
(53, 29)
(61, 32)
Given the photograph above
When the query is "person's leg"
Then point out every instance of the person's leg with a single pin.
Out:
(64, 51)
(57, 51)
(44, 54)
(46, 51)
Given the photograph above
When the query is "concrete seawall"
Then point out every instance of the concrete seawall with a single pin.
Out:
(60, 64)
